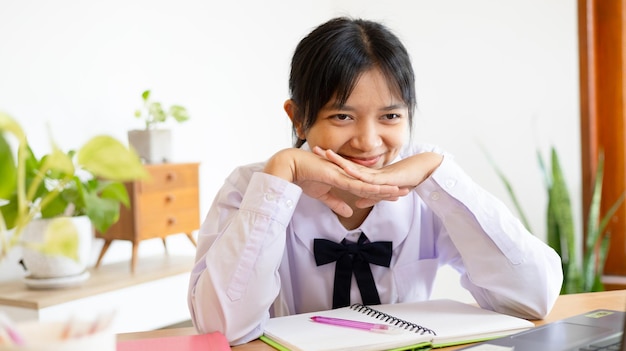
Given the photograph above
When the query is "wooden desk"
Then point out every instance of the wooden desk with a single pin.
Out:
(566, 306)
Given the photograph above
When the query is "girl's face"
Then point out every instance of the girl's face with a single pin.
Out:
(369, 129)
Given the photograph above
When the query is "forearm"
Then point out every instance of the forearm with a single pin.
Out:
(521, 277)
(240, 248)
(235, 290)
(506, 268)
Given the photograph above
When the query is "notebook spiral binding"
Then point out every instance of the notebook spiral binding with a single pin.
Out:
(397, 322)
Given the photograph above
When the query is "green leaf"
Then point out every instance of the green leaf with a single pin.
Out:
(596, 244)
(61, 238)
(145, 95)
(547, 179)
(115, 191)
(58, 161)
(32, 163)
(179, 113)
(561, 234)
(602, 254)
(102, 212)
(55, 207)
(106, 157)
(8, 124)
(593, 235)
(8, 169)
(9, 211)
(157, 112)
(102, 202)
(596, 257)
(610, 213)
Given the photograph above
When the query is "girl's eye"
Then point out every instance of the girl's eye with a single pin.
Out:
(391, 116)
(341, 117)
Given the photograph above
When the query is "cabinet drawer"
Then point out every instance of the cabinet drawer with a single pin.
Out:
(159, 225)
(172, 177)
(162, 202)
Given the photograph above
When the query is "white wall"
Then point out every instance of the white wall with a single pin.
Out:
(501, 73)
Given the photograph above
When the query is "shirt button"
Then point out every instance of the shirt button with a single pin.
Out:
(270, 197)
(450, 183)
(434, 196)
(289, 203)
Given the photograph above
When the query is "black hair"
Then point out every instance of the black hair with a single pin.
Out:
(328, 62)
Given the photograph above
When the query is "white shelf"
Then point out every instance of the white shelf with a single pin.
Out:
(155, 296)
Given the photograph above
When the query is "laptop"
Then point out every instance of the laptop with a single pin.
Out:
(592, 330)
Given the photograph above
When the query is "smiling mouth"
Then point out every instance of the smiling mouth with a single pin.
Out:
(364, 161)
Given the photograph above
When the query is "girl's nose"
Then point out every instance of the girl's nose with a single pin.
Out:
(367, 137)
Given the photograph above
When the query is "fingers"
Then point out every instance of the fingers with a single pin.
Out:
(364, 189)
(357, 179)
(356, 171)
(365, 202)
(333, 157)
(336, 205)
(317, 179)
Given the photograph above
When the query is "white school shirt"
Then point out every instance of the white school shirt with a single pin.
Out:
(255, 250)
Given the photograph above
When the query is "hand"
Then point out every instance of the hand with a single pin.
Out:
(317, 176)
(405, 174)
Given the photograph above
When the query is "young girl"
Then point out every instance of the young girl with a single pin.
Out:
(355, 213)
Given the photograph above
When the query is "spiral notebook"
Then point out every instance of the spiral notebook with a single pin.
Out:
(451, 323)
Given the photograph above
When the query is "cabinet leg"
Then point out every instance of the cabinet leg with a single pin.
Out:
(193, 241)
(164, 244)
(133, 260)
(107, 243)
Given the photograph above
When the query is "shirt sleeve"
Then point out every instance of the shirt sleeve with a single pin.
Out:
(505, 267)
(240, 245)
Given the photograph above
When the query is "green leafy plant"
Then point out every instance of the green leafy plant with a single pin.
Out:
(578, 276)
(88, 182)
(153, 113)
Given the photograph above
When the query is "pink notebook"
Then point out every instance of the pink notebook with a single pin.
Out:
(207, 342)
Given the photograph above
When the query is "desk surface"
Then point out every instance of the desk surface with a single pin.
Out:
(566, 306)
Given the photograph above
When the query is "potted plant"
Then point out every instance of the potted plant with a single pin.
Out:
(153, 144)
(45, 197)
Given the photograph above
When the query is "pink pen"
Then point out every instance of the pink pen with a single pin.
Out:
(12, 333)
(374, 327)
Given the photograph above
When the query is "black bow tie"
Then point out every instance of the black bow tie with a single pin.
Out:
(353, 257)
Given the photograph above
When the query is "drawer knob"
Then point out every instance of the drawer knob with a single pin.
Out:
(169, 198)
(171, 221)
(170, 176)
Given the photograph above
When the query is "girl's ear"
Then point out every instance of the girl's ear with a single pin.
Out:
(291, 108)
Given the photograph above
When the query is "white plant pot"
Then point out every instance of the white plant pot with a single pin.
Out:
(42, 266)
(152, 145)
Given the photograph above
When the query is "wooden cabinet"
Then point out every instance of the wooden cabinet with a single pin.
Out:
(167, 203)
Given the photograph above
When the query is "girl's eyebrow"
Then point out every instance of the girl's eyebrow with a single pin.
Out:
(337, 106)
(394, 107)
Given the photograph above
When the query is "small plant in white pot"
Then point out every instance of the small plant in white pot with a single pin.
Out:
(153, 144)
(45, 200)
